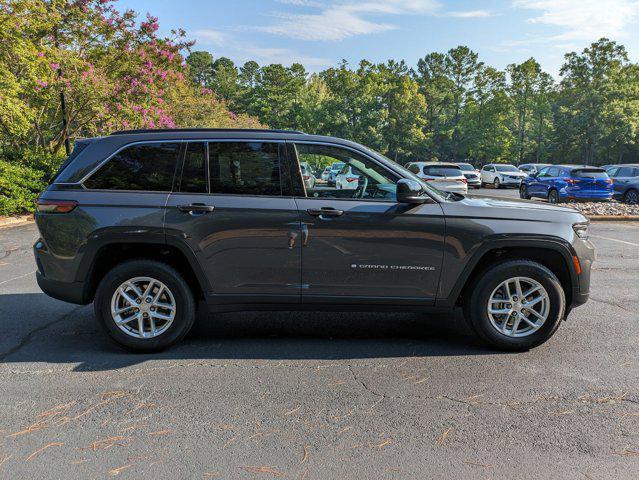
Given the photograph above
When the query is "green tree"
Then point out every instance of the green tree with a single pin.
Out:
(200, 65)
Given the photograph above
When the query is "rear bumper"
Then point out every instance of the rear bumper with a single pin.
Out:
(577, 195)
(67, 292)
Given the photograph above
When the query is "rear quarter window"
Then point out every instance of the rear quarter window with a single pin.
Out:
(146, 167)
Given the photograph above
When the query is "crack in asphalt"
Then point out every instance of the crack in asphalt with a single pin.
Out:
(363, 384)
(24, 341)
(612, 304)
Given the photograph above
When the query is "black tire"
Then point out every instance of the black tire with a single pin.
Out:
(523, 192)
(553, 197)
(476, 304)
(496, 184)
(631, 197)
(184, 303)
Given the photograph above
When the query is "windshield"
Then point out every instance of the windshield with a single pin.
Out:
(506, 168)
(337, 166)
(466, 167)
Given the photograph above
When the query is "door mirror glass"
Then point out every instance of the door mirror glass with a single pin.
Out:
(410, 191)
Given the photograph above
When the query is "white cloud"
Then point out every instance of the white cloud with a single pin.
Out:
(286, 56)
(338, 20)
(583, 19)
(210, 37)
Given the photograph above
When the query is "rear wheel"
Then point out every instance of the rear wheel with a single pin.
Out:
(516, 305)
(496, 183)
(523, 192)
(553, 197)
(631, 197)
(144, 305)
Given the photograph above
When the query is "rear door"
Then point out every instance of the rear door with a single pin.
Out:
(361, 246)
(234, 210)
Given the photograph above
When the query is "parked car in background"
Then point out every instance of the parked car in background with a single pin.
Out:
(333, 172)
(447, 177)
(532, 168)
(625, 181)
(308, 175)
(559, 183)
(325, 173)
(473, 177)
(347, 178)
(501, 175)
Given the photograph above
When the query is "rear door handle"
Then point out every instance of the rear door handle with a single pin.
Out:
(325, 212)
(196, 208)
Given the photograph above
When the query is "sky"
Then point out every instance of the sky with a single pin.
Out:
(320, 33)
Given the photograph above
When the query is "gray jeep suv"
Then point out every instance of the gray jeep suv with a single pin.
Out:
(148, 224)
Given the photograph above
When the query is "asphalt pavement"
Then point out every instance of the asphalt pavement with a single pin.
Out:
(320, 395)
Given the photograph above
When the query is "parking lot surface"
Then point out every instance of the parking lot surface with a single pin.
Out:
(320, 395)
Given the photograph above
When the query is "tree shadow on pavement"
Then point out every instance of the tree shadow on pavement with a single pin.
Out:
(72, 336)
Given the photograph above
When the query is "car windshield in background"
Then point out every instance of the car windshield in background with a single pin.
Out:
(442, 171)
(466, 167)
(589, 173)
(506, 168)
(337, 166)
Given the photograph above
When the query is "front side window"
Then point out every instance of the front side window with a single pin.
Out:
(359, 177)
(544, 172)
(553, 172)
(147, 167)
(245, 168)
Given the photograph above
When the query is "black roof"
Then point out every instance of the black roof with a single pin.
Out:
(197, 130)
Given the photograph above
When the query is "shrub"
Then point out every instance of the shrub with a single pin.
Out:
(19, 187)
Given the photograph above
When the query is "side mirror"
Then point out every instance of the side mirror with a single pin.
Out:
(532, 174)
(410, 191)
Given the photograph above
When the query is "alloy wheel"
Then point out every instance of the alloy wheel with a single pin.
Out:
(518, 307)
(632, 197)
(143, 307)
(496, 183)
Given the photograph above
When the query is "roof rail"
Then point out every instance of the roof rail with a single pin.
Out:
(182, 130)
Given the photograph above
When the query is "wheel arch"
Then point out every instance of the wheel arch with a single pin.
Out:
(554, 254)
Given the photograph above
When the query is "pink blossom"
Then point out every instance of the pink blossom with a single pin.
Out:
(40, 54)
(42, 83)
(54, 66)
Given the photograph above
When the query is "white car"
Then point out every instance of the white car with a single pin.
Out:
(346, 179)
(307, 175)
(501, 175)
(447, 177)
(332, 173)
(325, 174)
(472, 175)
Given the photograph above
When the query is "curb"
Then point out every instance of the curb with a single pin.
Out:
(613, 218)
(15, 221)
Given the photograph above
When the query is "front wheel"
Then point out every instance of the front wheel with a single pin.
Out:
(516, 305)
(144, 305)
(631, 197)
(496, 184)
(523, 192)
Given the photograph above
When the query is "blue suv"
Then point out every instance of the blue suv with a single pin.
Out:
(559, 183)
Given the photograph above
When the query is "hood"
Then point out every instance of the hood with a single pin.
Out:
(511, 209)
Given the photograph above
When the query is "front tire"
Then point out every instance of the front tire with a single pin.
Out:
(496, 184)
(144, 305)
(553, 197)
(523, 192)
(631, 197)
(516, 305)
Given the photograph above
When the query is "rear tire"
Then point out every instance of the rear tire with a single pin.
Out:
(175, 291)
(476, 305)
(631, 197)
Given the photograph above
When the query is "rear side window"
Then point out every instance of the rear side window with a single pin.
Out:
(193, 179)
(245, 168)
(148, 167)
(589, 173)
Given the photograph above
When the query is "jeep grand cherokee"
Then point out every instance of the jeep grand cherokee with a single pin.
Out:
(147, 224)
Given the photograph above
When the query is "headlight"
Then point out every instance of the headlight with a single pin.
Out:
(581, 229)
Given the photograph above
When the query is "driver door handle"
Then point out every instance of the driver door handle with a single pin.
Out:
(325, 212)
(196, 208)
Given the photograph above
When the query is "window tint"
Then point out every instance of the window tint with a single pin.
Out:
(589, 173)
(361, 177)
(245, 168)
(436, 171)
(506, 168)
(193, 178)
(466, 167)
(544, 172)
(612, 171)
(625, 172)
(148, 167)
(414, 168)
(553, 172)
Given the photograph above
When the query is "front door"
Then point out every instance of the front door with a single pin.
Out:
(242, 224)
(360, 245)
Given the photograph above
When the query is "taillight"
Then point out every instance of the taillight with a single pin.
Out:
(351, 179)
(571, 181)
(55, 206)
(306, 177)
